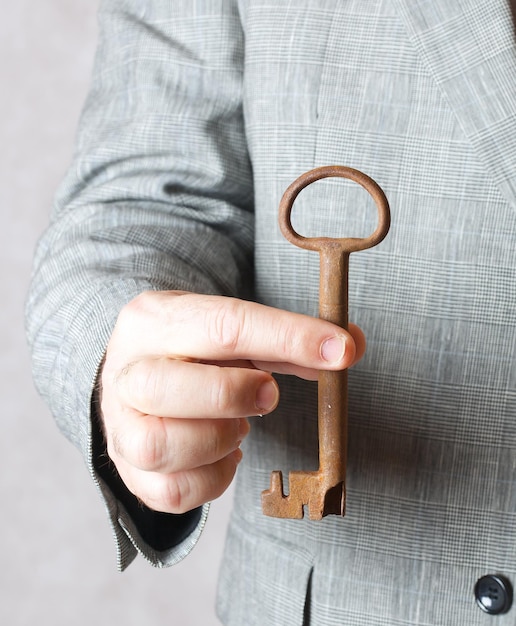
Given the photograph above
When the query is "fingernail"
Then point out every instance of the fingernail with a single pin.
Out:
(266, 397)
(333, 349)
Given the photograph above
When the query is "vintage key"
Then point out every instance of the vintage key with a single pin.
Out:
(324, 491)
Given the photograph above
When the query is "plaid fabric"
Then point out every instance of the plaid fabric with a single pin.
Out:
(200, 115)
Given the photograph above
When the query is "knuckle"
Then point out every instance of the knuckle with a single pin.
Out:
(221, 435)
(165, 493)
(226, 324)
(287, 341)
(135, 308)
(150, 450)
(175, 493)
(143, 446)
(223, 395)
(141, 384)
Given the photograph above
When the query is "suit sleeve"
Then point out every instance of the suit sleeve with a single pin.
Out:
(159, 196)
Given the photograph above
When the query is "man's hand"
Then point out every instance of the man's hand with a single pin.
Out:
(184, 371)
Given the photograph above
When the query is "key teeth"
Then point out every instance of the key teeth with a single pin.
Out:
(276, 504)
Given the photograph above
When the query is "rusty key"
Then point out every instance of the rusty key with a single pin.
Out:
(324, 490)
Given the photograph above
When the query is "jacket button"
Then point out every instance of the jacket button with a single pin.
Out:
(493, 594)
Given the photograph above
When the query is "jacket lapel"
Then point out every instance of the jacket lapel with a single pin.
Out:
(469, 48)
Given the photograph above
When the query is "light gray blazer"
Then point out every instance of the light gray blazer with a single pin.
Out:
(200, 115)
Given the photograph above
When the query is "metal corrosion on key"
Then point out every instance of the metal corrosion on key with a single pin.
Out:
(324, 491)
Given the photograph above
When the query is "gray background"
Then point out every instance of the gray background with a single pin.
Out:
(57, 555)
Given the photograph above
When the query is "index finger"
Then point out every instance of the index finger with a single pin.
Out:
(193, 326)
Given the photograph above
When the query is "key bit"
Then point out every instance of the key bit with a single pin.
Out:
(324, 491)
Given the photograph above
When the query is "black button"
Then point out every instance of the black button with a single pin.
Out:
(493, 594)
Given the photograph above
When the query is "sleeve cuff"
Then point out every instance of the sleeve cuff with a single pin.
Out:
(163, 539)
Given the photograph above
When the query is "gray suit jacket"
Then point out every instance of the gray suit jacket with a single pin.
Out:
(200, 115)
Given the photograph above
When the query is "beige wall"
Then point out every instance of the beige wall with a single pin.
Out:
(57, 555)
